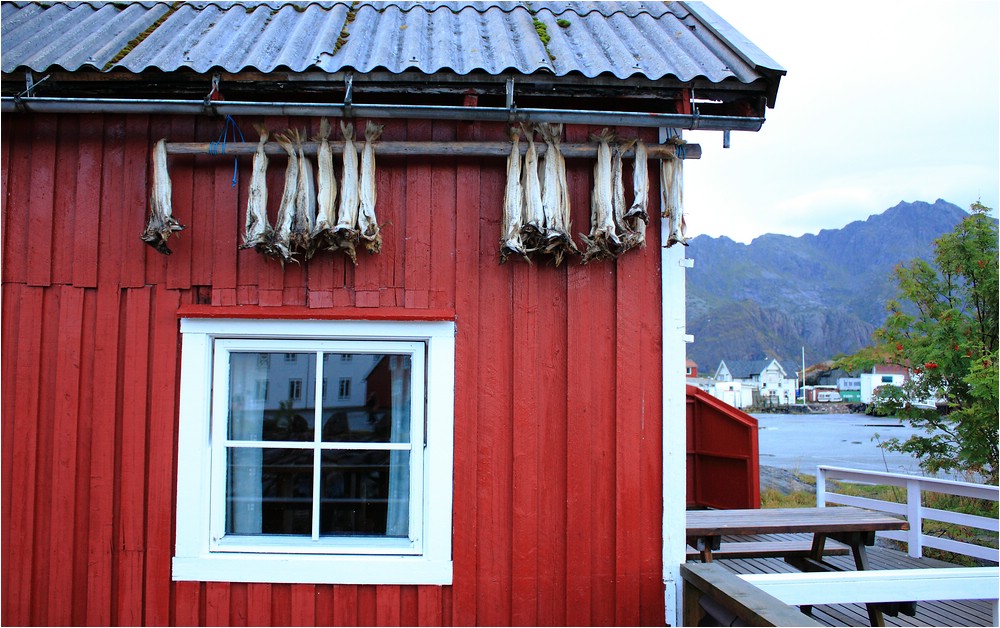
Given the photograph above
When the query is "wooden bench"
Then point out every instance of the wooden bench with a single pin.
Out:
(711, 589)
(881, 586)
(770, 549)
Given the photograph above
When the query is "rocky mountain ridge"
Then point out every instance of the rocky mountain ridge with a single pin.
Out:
(825, 292)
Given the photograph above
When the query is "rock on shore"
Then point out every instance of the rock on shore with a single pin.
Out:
(783, 481)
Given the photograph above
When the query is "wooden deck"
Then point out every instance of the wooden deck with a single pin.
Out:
(929, 613)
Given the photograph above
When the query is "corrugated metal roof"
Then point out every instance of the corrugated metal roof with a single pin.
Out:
(654, 40)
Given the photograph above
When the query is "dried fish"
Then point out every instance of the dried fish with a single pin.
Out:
(555, 195)
(161, 220)
(347, 218)
(367, 222)
(532, 213)
(637, 215)
(672, 193)
(305, 202)
(326, 198)
(258, 230)
(280, 242)
(603, 240)
(513, 198)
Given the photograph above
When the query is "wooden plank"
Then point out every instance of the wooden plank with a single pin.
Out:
(387, 598)
(104, 385)
(345, 605)
(8, 364)
(442, 222)
(216, 603)
(16, 206)
(182, 183)
(227, 221)
(730, 593)
(770, 549)
(63, 232)
(201, 217)
(40, 201)
(897, 585)
(583, 374)
(110, 248)
(465, 528)
(187, 604)
(131, 538)
(259, 604)
(417, 148)
(21, 516)
(650, 463)
(628, 439)
(66, 392)
(763, 521)
(281, 604)
(324, 605)
(418, 223)
(237, 604)
(494, 447)
(160, 491)
(367, 614)
(87, 206)
(134, 205)
(303, 605)
(550, 365)
(526, 418)
(428, 612)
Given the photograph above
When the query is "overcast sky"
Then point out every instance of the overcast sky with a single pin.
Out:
(884, 101)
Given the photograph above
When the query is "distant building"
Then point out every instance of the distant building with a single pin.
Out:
(691, 368)
(881, 375)
(767, 379)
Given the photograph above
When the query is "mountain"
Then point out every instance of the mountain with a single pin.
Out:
(825, 292)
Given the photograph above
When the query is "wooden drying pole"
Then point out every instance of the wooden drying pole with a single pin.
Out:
(434, 149)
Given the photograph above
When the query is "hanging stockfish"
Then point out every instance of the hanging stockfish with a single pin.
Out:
(637, 215)
(326, 198)
(513, 198)
(555, 195)
(161, 220)
(280, 242)
(672, 193)
(347, 219)
(603, 241)
(626, 234)
(532, 213)
(305, 202)
(367, 222)
(258, 230)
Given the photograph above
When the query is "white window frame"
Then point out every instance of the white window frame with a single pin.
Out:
(423, 558)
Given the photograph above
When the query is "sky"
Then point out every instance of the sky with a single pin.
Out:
(884, 101)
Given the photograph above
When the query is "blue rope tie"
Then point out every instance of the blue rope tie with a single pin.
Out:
(218, 147)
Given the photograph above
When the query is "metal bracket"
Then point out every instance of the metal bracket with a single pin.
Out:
(511, 108)
(348, 94)
(725, 138)
(216, 78)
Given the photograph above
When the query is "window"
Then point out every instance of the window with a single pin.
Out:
(308, 488)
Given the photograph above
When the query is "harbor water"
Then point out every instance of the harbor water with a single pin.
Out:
(800, 442)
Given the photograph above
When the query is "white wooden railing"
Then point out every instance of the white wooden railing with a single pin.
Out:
(913, 509)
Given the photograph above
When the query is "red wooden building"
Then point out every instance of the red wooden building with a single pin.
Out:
(212, 437)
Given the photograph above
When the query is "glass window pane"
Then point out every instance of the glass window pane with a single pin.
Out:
(371, 401)
(269, 491)
(365, 493)
(272, 396)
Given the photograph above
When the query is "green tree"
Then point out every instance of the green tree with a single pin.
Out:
(947, 337)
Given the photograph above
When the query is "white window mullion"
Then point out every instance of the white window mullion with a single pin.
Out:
(219, 435)
(317, 442)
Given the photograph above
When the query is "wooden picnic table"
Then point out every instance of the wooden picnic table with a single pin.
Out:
(854, 527)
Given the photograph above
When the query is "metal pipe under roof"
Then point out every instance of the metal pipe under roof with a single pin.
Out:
(33, 104)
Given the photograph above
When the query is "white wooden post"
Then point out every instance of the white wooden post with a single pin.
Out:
(915, 517)
(674, 440)
(820, 487)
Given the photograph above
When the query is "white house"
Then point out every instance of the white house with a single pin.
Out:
(766, 379)
(881, 375)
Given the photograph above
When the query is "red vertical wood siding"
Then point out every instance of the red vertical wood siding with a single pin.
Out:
(557, 487)
(722, 457)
